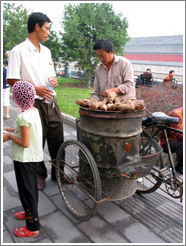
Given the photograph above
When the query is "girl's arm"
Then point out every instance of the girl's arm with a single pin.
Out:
(24, 141)
(8, 129)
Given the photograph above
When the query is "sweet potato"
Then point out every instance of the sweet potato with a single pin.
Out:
(111, 97)
(103, 106)
(111, 106)
(139, 104)
(79, 102)
(112, 103)
(93, 105)
(83, 102)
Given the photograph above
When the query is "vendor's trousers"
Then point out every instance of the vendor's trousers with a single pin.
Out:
(52, 124)
(26, 177)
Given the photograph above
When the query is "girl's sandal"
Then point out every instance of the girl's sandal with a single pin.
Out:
(20, 215)
(24, 232)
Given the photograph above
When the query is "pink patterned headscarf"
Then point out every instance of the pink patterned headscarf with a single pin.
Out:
(23, 94)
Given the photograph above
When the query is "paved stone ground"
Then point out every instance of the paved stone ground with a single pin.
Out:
(154, 218)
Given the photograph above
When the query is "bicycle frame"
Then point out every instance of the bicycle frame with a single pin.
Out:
(161, 127)
(166, 174)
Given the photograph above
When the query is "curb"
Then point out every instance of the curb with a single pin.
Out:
(69, 120)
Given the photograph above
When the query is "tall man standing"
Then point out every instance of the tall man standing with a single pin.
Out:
(31, 61)
(115, 73)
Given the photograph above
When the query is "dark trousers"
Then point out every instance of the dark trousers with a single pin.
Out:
(26, 177)
(52, 124)
(176, 146)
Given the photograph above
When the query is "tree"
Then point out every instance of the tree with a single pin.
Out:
(53, 43)
(86, 23)
(15, 30)
(14, 25)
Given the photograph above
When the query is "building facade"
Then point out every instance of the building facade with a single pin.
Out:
(160, 54)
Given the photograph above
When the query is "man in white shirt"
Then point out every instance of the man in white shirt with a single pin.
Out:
(115, 73)
(30, 61)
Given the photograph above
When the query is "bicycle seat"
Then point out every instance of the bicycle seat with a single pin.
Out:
(162, 118)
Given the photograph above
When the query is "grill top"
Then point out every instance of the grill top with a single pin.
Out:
(110, 114)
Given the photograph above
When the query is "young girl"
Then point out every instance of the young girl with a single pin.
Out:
(27, 151)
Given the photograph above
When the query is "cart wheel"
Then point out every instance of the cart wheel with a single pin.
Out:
(152, 182)
(84, 187)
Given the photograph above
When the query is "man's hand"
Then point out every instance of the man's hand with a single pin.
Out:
(44, 92)
(53, 81)
(116, 90)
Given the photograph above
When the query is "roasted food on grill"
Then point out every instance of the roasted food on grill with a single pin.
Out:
(102, 105)
(111, 97)
(139, 104)
(93, 105)
(112, 103)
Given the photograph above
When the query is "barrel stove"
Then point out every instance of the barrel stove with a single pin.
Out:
(101, 131)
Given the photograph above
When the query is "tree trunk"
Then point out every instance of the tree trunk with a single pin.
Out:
(88, 84)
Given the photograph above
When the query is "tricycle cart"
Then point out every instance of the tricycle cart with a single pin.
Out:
(105, 161)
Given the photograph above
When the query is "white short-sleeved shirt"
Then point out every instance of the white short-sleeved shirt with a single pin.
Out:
(28, 64)
(34, 153)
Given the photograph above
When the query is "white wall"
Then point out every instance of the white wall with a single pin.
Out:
(159, 72)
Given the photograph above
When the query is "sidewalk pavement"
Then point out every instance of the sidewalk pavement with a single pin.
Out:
(153, 218)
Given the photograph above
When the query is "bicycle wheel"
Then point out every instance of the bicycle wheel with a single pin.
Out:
(84, 189)
(151, 182)
(174, 188)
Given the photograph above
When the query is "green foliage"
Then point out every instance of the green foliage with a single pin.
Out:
(66, 97)
(86, 23)
(15, 20)
(66, 80)
(53, 43)
(14, 25)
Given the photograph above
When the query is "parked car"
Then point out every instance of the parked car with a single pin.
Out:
(75, 73)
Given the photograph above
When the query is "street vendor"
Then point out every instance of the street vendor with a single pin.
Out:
(115, 73)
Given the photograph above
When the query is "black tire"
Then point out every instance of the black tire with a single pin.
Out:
(151, 182)
(81, 194)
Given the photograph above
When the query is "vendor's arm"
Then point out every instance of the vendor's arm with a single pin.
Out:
(128, 84)
(116, 90)
(96, 94)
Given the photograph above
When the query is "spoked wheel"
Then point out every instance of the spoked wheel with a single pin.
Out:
(174, 189)
(149, 183)
(84, 187)
(152, 182)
